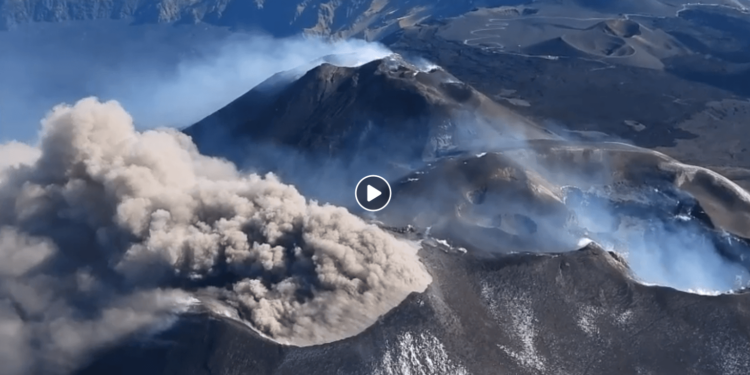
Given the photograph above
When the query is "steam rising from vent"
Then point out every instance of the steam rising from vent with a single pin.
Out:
(423, 65)
(111, 231)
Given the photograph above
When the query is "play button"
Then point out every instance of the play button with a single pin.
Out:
(373, 193)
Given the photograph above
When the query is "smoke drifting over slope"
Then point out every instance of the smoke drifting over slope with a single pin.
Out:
(677, 225)
(205, 85)
(111, 230)
(513, 199)
(674, 229)
(192, 72)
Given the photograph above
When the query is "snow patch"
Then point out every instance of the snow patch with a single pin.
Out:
(417, 354)
(522, 326)
(587, 320)
(624, 318)
(734, 353)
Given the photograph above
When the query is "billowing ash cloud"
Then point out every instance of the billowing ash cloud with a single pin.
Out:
(14, 154)
(111, 231)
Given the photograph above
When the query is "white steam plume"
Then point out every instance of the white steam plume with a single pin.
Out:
(204, 86)
(111, 231)
(193, 78)
(666, 249)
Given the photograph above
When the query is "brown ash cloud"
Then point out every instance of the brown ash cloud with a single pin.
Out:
(107, 232)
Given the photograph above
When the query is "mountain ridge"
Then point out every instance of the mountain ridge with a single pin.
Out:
(363, 18)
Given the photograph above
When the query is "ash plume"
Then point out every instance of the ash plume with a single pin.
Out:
(13, 154)
(106, 232)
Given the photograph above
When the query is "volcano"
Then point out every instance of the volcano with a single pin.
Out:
(555, 198)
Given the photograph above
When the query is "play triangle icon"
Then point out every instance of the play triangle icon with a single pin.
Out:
(372, 193)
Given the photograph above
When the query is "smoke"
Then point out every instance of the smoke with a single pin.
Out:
(165, 76)
(681, 258)
(634, 201)
(674, 251)
(422, 64)
(202, 86)
(111, 231)
(14, 154)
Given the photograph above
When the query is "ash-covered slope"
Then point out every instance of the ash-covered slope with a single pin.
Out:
(388, 110)
(572, 313)
(616, 41)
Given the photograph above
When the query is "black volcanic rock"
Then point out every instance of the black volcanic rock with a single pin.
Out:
(574, 313)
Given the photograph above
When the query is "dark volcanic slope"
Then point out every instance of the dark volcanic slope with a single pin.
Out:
(573, 313)
(387, 110)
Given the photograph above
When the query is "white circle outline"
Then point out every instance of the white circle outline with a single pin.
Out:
(390, 193)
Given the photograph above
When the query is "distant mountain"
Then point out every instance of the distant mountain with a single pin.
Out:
(371, 19)
(367, 18)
